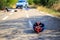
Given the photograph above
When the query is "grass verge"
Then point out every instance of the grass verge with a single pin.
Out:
(48, 10)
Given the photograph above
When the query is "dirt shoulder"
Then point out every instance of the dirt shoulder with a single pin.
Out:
(48, 11)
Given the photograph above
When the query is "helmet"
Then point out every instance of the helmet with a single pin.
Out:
(38, 23)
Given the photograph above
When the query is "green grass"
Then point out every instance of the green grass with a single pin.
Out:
(48, 10)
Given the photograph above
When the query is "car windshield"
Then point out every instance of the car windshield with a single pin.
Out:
(21, 1)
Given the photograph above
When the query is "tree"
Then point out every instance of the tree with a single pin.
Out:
(47, 3)
(6, 3)
(36, 1)
(30, 2)
(2, 4)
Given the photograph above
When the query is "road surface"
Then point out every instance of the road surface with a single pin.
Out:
(18, 25)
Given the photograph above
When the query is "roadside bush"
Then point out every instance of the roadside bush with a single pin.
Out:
(47, 3)
(36, 2)
(30, 2)
(6, 3)
(2, 4)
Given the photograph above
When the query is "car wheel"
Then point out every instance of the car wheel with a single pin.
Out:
(25, 6)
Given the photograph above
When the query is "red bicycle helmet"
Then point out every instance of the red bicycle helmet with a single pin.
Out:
(38, 29)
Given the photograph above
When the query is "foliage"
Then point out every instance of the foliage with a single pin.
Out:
(6, 3)
(30, 2)
(36, 1)
(2, 4)
(47, 3)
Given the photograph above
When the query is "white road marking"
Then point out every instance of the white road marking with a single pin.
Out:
(46, 14)
(41, 12)
(50, 15)
(30, 24)
(27, 15)
(12, 10)
(49, 35)
(29, 21)
(11, 13)
(5, 18)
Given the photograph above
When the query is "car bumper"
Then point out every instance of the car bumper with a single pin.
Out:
(19, 5)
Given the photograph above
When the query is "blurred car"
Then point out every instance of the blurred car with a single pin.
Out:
(22, 4)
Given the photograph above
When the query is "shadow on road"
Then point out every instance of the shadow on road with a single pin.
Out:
(51, 23)
(21, 24)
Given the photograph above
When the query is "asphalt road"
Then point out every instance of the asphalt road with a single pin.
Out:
(18, 25)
